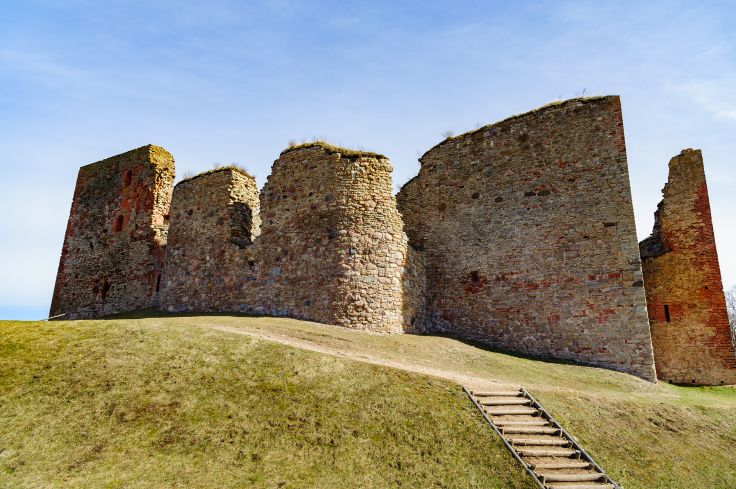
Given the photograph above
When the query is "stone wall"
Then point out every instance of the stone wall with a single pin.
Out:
(332, 247)
(113, 254)
(687, 309)
(209, 260)
(528, 236)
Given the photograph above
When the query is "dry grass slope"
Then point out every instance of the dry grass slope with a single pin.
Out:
(647, 436)
(170, 403)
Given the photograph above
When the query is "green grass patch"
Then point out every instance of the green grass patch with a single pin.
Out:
(332, 149)
(165, 403)
(234, 167)
(645, 435)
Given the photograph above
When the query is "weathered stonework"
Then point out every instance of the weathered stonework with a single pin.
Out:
(113, 252)
(520, 236)
(332, 248)
(209, 263)
(527, 228)
(687, 309)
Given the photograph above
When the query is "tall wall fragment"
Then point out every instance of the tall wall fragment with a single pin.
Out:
(527, 228)
(687, 310)
(332, 247)
(113, 251)
(209, 260)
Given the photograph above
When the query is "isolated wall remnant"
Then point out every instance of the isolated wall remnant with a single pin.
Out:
(209, 261)
(113, 252)
(527, 228)
(332, 248)
(687, 309)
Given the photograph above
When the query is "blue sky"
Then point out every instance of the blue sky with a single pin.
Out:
(221, 81)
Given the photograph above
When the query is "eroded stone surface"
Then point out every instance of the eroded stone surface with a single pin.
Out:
(209, 261)
(332, 247)
(113, 251)
(528, 233)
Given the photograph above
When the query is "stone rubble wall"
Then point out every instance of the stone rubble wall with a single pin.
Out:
(332, 247)
(113, 251)
(683, 281)
(528, 236)
(209, 261)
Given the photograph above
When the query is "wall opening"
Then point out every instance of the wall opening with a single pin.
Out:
(158, 283)
(102, 287)
(667, 312)
(128, 178)
(118, 226)
(240, 224)
(475, 282)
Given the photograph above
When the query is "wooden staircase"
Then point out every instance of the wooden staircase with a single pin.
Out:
(550, 455)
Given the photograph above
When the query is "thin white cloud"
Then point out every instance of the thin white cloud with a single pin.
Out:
(714, 96)
(37, 66)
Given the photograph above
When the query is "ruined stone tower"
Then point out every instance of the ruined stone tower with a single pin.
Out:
(332, 248)
(687, 309)
(527, 228)
(209, 263)
(113, 251)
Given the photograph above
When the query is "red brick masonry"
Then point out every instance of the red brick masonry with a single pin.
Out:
(687, 309)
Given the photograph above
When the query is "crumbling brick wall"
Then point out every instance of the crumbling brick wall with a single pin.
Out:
(113, 251)
(332, 247)
(528, 236)
(209, 260)
(687, 309)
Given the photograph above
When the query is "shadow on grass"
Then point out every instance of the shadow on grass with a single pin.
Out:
(152, 313)
(157, 313)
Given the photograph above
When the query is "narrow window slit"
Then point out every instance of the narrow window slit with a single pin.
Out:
(118, 224)
(667, 312)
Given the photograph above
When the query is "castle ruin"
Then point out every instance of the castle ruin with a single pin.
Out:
(519, 235)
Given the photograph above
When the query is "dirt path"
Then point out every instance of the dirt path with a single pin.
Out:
(472, 382)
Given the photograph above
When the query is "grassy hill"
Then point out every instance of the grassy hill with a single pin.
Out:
(212, 401)
(133, 403)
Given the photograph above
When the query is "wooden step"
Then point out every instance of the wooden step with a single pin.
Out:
(548, 452)
(580, 485)
(501, 411)
(498, 394)
(540, 442)
(572, 464)
(510, 422)
(547, 477)
(505, 401)
(529, 430)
